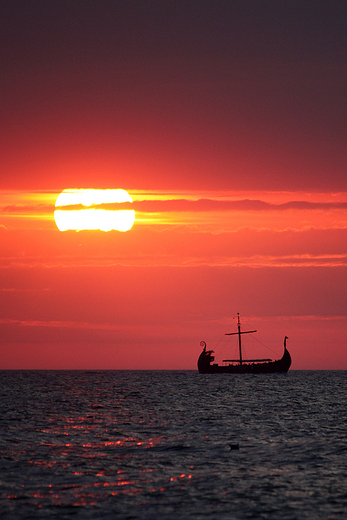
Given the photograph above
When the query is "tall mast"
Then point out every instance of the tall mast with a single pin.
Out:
(239, 331)
(239, 334)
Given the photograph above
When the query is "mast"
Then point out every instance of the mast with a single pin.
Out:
(239, 334)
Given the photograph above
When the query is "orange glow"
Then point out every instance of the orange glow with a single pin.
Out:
(227, 129)
(93, 219)
(192, 258)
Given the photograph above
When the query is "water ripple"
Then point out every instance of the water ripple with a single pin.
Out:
(156, 445)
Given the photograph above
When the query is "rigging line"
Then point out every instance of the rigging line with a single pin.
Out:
(223, 347)
(226, 348)
(263, 344)
(268, 348)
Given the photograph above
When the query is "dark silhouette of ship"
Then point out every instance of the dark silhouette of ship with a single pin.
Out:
(242, 366)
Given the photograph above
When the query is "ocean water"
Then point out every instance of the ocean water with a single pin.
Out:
(155, 445)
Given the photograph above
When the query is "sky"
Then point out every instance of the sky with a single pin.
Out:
(225, 121)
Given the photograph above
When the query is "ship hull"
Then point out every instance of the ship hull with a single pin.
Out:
(280, 366)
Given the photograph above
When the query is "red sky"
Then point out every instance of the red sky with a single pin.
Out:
(226, 123)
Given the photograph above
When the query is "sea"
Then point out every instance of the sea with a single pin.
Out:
(173, 445)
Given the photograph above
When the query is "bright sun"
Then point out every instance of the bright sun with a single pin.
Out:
(69, 218)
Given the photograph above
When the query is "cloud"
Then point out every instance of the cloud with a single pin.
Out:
(159, 206)
(161, 202)
(16, 289)
(28, 209)
(58, 324)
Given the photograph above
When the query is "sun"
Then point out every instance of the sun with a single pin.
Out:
(72, 215)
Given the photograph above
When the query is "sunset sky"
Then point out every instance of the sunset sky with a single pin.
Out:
(225, 121)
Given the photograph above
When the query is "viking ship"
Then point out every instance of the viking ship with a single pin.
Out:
(242, 366)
